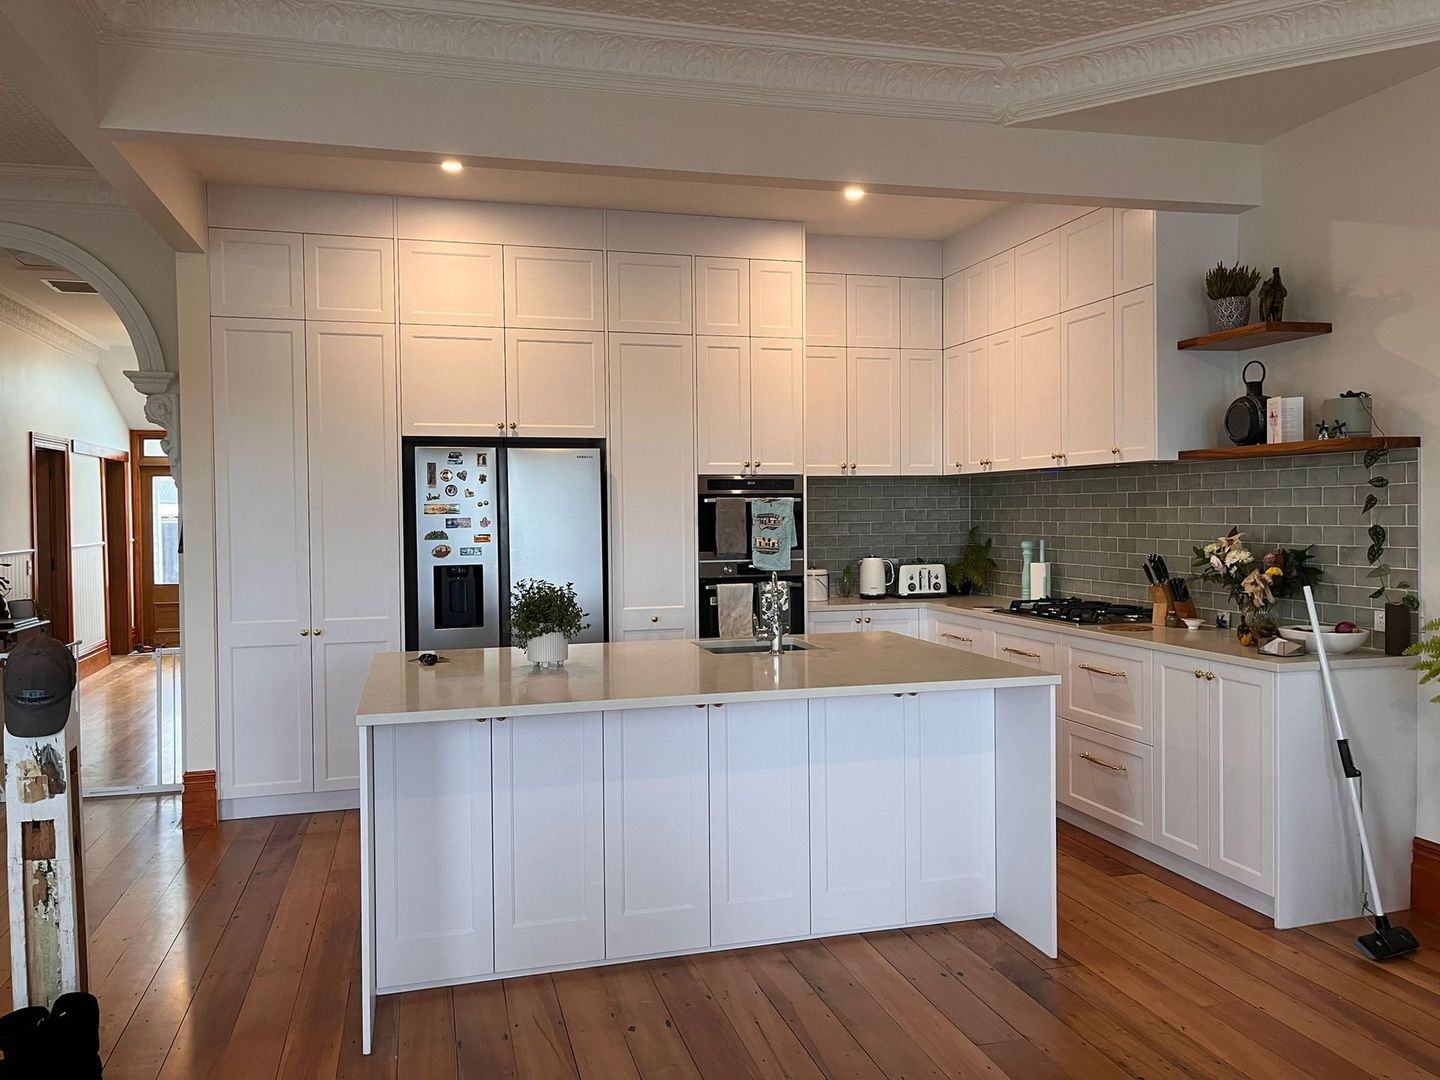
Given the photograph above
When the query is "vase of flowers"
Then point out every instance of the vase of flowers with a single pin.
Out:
(1255, 583)
(544, 618)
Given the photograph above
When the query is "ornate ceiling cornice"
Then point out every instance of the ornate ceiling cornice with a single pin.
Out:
(50, 185)
(493, 39)
(37, 324)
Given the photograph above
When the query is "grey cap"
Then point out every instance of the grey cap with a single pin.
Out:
(40, 676)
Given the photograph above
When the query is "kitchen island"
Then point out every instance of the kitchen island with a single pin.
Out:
(658, 798)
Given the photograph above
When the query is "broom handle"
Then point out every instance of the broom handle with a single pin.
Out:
(1352, 775)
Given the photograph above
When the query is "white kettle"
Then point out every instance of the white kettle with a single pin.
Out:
(875, 576)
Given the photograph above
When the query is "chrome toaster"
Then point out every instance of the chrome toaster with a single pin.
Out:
(921, 579)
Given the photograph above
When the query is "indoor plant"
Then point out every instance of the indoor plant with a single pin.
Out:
(972, 570)
(1428, 651)
(1399, 608)
(1229, 290)
(1255, 584)
(543, 619)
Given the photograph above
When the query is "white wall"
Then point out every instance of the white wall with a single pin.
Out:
(1351, 214)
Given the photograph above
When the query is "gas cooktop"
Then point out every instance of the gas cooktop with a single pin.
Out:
(1075, 610)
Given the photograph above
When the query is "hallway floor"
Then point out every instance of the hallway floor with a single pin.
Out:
(117, 725)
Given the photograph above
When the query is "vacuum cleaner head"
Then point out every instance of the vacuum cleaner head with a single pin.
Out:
(1387, 942)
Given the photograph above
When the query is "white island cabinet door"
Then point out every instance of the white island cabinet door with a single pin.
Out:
(857, 813)
(1242, 807)
(949, 805)
(759, 822)
(657, 831)
(555, 384)
(1182, 758)
(434, 915)
(549, 841)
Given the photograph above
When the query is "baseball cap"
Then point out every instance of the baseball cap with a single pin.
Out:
(40, 676)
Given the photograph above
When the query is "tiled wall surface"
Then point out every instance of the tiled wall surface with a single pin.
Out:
(1100, 523)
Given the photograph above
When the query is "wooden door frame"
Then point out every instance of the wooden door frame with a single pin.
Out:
(139, 463)
(114, 528)
(61, 605)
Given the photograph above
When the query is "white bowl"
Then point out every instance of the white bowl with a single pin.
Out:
(1335, 643)
(1193, 624)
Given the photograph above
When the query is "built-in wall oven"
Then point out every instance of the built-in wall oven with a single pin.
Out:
(717, 566)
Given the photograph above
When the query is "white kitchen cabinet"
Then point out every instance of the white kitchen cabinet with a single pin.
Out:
(971, 363)
(857, 813)
(1007, 406)
(436, 924)
(650, 294)
(872, 306)
(554, 288)
(759, 821)
(722, 405)
(1037, 278)
(825, 322)
(949, 805)
(657, 831)
(1106, 776)
(873, 382)
(905, 621)
(1242, 808)
(549, 829)
(722, 296)
(956, 632)
(920, 314)
(1135, 376)
(555, 384)
(975, 300)
(827, 420)
(451, 284)
(777, 406)
(1027, 650)
(1134, 248)
(1087, 259)
(651, 459)
(1182, 757)
(350, 278)
(955, 409)
(1107, 686)
(952, 291)
(1038, 415)
(354, 482)
(820, 621)
(257, 274)
(1087, 384)
(922, 412)
(777, 298)
(452, 381)
(1001, 288)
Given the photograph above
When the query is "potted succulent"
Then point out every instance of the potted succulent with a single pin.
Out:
(972, 570)
(1255, 584)
(1229, 290)
(544, 617)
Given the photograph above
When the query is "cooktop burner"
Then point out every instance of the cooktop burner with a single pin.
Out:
(1075, 610)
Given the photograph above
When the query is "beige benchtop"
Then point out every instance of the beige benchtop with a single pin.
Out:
(633, 674)
(1208, 641)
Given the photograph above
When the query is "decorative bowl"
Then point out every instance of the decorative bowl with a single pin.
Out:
(1335, 643)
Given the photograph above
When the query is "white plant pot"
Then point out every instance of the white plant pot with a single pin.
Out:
(548, 649)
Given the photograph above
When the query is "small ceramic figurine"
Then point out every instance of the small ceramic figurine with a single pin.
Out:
(1322, 431)
(1338, 431)
(1272, 298)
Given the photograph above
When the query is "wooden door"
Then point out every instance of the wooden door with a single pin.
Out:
(827, 445)
(1037, 394)
(122, 628)
(873, 376)
(1087, 384)
(722, 405)
(1182, 758)
(452, 381)
(777, 406)
(922, 412)
(50, 528)
(157, 536)
(555, 384)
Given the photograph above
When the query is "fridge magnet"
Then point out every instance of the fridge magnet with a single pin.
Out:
(479, 538)
(441, 551)
(442, 508)
(455, 457)
(485, 523)
(480, 459)
(484, 538)
(432, 496)
(451, 490)
(446, 475)
(470, 552)
(457, 523)
(469, 493)
(482, 479)
(430, 473)
(437, 534)
(460, 474)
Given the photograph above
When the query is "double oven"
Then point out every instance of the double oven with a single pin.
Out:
(715, 569)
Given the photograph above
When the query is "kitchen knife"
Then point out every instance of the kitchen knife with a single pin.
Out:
(1148, 575)
(1161, 570)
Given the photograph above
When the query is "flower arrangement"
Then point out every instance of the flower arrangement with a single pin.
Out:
(1255, 584)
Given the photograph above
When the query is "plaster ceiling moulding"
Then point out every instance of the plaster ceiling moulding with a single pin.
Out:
(51, 185)
(37, 324)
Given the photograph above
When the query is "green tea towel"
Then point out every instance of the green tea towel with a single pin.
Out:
(772, 533)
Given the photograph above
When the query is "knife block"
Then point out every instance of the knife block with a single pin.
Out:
(1162, 602)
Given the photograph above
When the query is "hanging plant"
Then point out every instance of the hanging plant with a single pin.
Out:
(1381, 571)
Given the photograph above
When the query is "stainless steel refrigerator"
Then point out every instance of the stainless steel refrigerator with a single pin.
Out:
(481, 515)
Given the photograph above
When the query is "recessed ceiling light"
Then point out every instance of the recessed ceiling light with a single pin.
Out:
(854, 193)
(450, 165)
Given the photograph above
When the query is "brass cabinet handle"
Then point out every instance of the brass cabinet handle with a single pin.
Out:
(1102, 762)
(304, 631)
(957, 637)
(1020, 652)
(1102, 671)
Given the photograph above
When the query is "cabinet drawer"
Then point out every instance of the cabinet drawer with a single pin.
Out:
(1108, 689)
(1026, 651)
(1106, 777)
(832, 622)
(962, 634)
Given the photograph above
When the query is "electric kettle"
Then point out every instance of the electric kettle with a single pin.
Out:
(875, 576)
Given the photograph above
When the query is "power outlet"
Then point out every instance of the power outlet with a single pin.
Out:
(1379, 618)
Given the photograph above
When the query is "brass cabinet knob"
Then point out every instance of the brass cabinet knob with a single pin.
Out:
(757, 464)
(654, 618)
(304, 631)
(1209, 676)
(857, 620)
(317, 631)
(512, 425)
(852, 464)
(1199, 674)
(1114, 450)
(842, 466)
(500, 426)
(867, 618)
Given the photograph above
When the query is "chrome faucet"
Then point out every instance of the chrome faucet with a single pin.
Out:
(774, 611)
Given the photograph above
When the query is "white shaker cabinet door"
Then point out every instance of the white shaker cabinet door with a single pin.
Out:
(921, 314)
(1134, 248)
(956, 409)
(350, 278)
(971, 364)
(777, 298)
(949, 805)
(953, 302)
(1087, 259)
(777, 406)
(922, 412)
(1037, 278)
(825, 309)
(975, 300)
(759, 822)
(1006, 403)
(657, 831)
(555, 384)
(650, 294)
(451, 284)
(354, 471)
(554, 288)
(549, 824)
(1242, 808)
(1037, 394)
(1135, 376)
(1182, 758)
(1087, 384)
(833, 622)
(722, 405)
(1001, 287)
(872, 308)
(827, 417)
(262, 554)
(452, 381)
(722, 296)
(434, 908)
(857, 813)
(257, 274)
(873, 376)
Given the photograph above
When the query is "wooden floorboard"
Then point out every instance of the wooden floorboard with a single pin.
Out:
(234, 953)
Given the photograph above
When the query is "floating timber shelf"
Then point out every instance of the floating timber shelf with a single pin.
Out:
(1305, 446)
(1255, 336)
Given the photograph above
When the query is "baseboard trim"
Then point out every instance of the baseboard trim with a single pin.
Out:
(1425, 877)
(97, 659)
(310, 802)
(198, 808)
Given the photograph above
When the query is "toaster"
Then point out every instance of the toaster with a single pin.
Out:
(922, 579)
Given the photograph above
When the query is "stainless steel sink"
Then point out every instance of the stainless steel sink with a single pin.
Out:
(741, 646)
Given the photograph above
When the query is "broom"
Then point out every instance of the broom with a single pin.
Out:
(1387, 942)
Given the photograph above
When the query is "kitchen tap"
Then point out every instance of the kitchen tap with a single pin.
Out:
(774, 611)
